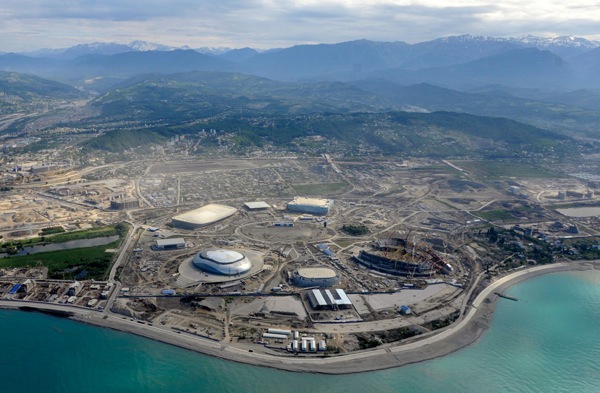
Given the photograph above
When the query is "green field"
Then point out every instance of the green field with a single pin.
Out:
(66, 264)
(318, 188)
(495, 215)
(495, 170)
(345, 242)
(110, 230)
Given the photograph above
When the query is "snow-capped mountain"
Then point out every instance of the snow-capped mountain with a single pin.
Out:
(145, 46)
(564, 46)
(215, 51)
(562, 41)
(101, 48)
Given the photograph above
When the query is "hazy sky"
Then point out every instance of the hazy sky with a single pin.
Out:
(33, 24)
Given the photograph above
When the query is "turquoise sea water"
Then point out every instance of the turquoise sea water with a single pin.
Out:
(548, 341)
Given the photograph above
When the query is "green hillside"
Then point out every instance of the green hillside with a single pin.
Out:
(438, 134)
(197, 94)
(21, 92)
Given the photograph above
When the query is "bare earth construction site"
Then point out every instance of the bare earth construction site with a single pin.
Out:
(222, 257)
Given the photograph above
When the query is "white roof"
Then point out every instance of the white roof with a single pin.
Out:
(319, 297)
(167, 242)
(257, 205)
(316, 272)
(311, 202)
(344, 299)
(332, 300)
(206, 214)
(223, 256)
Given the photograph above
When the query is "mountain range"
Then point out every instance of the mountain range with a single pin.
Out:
(146, 89)
(562, 46)
(461, 62)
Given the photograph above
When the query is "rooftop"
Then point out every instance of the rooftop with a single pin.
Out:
(167, 242)
(206, 214)
(311, 201)
(317, 272)
(222, 255)
(257, 205)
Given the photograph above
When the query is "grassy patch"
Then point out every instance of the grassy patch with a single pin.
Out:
(495, 215)
(503, 169)
(355, 230)
(51, 231)
(319, 188)
(66, 264)
(110, 230)
(345, 242)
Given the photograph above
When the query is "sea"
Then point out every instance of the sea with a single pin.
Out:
(547, 341)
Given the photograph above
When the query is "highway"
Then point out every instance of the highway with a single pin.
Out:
(123, 254)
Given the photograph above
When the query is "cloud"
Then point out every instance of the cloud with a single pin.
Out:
(29, 24)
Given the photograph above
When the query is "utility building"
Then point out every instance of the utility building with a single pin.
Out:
(323, 299)
(170, 244)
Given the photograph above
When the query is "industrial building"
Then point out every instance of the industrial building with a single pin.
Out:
(74, 289)
(125, 204)
(170, 244)
(203, 216)
(46, 167)
(324, 299)
(222, 262)
(310, 205)
(315, 277)
(325, 249)
(283, 224)
(260, 205)
(27, 286)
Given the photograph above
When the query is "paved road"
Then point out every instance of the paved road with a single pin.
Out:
(113, 271)
(343, 364)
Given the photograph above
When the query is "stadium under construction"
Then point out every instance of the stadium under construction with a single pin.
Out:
(401, 257)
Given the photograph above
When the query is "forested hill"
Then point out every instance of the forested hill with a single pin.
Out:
(21, 92)
(438, 134)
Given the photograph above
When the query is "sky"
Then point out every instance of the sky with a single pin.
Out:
(33, 24)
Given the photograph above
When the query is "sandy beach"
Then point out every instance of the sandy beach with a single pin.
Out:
(460, 334)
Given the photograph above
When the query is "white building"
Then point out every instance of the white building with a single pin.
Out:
(203, 216)
(170, 244)
(221, 261)
(310, 205)
(315, 277)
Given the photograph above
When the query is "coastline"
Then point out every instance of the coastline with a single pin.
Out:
(460, 334)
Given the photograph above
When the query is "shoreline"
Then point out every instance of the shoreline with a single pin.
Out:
(461, 334)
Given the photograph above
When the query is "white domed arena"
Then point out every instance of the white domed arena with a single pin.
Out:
(218, 265)
(222, 261)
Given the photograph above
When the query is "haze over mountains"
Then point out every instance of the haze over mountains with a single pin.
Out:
(454, 62)
(548, 83)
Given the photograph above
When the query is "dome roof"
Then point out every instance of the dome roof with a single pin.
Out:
(222, 256)
(203, 216)
(222, 261)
